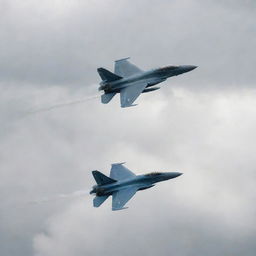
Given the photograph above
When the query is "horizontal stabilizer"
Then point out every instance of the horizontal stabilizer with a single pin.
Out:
(107, 97)
(102, 179)
(99, 200)
(107, 75)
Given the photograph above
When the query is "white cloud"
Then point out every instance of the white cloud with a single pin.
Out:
(201, 124)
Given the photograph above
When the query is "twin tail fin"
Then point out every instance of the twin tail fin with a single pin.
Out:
(102, 179)
(108, 76)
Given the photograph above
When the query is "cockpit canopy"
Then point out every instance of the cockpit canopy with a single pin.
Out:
(154, 174)
(168, 68)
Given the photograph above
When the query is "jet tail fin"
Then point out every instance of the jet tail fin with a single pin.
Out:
(107, 75)
(102, 179)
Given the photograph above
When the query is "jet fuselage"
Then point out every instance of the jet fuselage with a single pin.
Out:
(140, 181)
(151, 77)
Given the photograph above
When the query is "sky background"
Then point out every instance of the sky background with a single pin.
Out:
(201, 123)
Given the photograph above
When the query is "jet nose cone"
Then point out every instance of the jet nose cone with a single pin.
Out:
(177, 174)
(193, 67)
(188, 68)
(172, 175)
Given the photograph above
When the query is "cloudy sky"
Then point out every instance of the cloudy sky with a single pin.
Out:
(202, 124)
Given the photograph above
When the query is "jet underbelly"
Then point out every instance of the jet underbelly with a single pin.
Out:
(146, 187)
(155, 81)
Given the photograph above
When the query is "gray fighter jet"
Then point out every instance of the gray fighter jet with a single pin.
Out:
(123, 184)
(130, 81)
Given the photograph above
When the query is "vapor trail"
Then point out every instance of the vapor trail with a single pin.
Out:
(62, 105)
(78, 193)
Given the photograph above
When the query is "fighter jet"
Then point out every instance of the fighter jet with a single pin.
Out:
(130, 81)
(123, 184)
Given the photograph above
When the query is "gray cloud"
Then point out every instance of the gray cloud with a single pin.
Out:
(64, 42)
(201, 124)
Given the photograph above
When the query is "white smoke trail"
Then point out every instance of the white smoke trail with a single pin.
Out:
(60, 105)
(75, 194)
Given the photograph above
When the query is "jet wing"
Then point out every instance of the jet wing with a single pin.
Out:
(130, 93)
(120, 172)
(124, 68)
(121, 197)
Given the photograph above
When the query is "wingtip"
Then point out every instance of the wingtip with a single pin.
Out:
(119, 209)
(118, 163)
(128, 106)
(122, 59)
